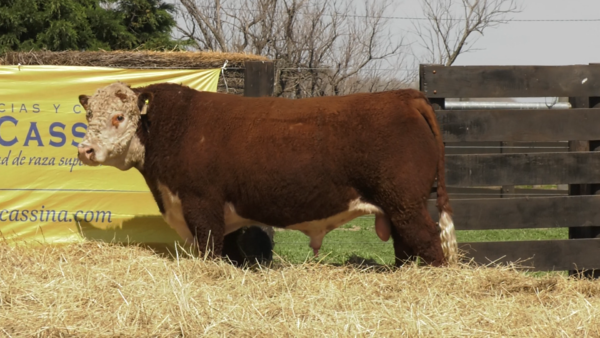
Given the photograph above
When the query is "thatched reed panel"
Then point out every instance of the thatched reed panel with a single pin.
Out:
(234, 72)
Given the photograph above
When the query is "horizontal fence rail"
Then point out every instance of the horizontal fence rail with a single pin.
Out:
(457, 193)
(521, 169)
(568, 254)
(522, 213)
(462, 105)
(509, 81)
(498, 147)
(519, 125)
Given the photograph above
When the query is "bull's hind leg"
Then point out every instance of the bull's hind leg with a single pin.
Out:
(415, 234)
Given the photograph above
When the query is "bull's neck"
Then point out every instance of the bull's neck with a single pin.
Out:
(137, 153)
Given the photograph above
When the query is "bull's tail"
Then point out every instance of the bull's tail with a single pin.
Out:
(447, 234)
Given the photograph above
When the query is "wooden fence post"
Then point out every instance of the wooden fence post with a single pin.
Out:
(436, 103)
(247, 243)
(585, 189)
(259, 78)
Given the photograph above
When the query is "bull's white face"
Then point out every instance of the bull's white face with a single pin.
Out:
(113, 115)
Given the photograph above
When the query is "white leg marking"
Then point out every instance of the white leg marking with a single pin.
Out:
(174, 213)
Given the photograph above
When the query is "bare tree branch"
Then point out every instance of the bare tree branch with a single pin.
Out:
(320, 47)
(449, 31)
(209, 20)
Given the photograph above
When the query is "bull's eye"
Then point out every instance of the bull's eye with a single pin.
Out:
(89, 114)
(117, 119)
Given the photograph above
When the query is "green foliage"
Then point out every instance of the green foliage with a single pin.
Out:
(85, 24)
(149, 20)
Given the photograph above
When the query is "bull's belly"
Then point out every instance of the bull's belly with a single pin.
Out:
(315, 230)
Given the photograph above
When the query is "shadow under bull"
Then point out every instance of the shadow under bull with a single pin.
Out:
(246, 246)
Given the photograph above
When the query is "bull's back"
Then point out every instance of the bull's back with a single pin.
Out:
(324, 129)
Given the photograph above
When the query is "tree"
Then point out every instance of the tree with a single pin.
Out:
(150, 21)
(84, 24)
(451, 25)
(320, 47)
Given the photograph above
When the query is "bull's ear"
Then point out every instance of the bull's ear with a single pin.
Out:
(144, 100)
(83, 99)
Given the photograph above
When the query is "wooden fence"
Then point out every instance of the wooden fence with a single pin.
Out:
(259, 80)
(530, 147)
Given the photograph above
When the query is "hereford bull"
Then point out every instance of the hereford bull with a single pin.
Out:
(217, 162)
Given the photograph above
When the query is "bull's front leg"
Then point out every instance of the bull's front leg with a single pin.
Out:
(198, 221)
(206, 223)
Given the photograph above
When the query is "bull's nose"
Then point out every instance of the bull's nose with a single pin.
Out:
(85, 151)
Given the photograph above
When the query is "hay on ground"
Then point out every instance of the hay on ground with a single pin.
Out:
(96, 289)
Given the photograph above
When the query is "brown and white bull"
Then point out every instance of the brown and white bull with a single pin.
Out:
(217, 162)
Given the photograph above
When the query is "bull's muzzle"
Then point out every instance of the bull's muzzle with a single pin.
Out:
(86, 154)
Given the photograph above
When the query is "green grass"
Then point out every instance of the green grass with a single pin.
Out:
(511, 235)
(358, 239)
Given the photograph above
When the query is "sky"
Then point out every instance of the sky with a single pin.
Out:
(532, 43)
(526, 43)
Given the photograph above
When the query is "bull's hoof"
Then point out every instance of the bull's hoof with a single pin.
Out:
(249, 245)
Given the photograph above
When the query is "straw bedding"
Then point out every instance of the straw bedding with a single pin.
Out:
(94, 289)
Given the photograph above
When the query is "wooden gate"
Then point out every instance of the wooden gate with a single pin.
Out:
(567, 138)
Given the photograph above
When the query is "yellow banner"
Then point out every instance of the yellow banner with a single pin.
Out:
(47, 194)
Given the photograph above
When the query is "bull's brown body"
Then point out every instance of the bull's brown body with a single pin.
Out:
(283, 162)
